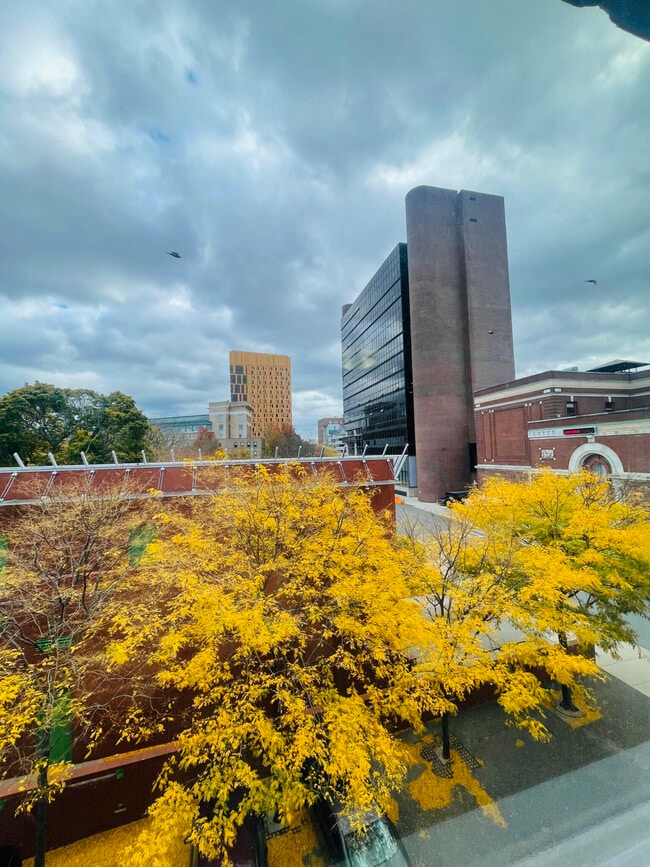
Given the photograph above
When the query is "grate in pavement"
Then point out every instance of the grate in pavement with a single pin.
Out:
(273, 828)
(428, 752)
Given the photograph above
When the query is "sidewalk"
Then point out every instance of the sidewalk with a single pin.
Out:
(434, 508)
(633, 665)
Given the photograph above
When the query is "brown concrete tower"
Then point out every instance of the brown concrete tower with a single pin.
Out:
(460, 324)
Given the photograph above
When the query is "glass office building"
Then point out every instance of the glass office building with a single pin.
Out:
(184, 427)
(377, 374)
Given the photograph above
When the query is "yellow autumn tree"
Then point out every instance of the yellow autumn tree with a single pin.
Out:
(484, 633)
(577, 554)
(67, 554)
(287, 622)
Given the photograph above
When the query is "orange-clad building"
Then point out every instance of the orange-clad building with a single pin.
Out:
(263, 381)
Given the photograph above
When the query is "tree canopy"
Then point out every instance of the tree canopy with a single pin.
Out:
(295, 633)
(287, 619)
(304, 633)
(287, 442)
(576, 545)
(41, 418)
(66, 557)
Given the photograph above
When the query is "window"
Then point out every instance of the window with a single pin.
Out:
(571, 407)
(597, 465)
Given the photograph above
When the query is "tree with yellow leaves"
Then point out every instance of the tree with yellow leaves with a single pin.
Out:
(66, 556)
(302, 632)
(578, 555)
(483, 636)
(287, 620)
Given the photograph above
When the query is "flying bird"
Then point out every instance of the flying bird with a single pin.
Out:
(595, 282)
(490, 332)
(174, 254)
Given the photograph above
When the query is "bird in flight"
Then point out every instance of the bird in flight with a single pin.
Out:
(174, 254)
(595, 282)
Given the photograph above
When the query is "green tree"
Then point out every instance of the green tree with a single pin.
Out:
(122, 427)
(41, 418)
(34, 420)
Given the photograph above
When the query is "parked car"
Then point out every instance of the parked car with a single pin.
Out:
(248, 850)
(375, 845)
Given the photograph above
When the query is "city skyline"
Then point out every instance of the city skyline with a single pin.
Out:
(274, 162)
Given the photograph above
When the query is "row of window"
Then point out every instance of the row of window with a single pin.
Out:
(572, 407)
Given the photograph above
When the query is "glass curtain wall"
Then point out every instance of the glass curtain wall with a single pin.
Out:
(377, 379)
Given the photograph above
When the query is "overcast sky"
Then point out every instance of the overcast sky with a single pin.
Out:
(271, 143)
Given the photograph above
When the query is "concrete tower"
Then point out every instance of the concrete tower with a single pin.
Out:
(460, 325)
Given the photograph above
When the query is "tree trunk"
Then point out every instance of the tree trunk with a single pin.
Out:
(42, 802)
(42, 810)
(567, 700)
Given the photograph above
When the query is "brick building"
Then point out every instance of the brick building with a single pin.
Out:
(566, 420)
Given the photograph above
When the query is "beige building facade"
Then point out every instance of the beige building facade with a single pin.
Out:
(232, 426)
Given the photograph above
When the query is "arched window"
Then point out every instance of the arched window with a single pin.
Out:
(597, 464)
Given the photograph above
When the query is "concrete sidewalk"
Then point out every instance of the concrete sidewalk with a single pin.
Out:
(633, 664)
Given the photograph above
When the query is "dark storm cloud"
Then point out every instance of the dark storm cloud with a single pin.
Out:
(272, 144)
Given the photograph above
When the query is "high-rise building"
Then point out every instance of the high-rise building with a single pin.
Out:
(263, 381)
(431, 327)
(377, 374)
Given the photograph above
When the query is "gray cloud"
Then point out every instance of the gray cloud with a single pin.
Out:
(272, 145)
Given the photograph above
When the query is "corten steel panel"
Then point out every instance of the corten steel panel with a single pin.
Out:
(482, 230)
(487, 439)
(442, 398)
(85, 807)
(511, 435)
(27, 484)
(177, 479)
